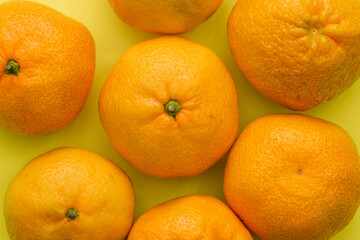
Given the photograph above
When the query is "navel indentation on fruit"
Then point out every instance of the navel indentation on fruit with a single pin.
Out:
(315, 30)
(299, 171)
(313, 36)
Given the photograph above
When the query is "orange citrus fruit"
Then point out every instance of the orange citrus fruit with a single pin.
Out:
(291, 176)
(190, 217)
(69, 193)
(169, 107)
(47, 63)
(297, 53)
(165, 16)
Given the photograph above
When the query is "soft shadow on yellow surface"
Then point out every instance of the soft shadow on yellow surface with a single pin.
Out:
(113, 38)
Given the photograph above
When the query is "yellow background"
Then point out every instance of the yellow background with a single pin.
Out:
(112, 39)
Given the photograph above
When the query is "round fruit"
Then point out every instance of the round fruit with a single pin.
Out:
(190, 217)
(69, 193)
(165, 16)
(297, 53)
(169, 107)
(291, 176)
(47, 62)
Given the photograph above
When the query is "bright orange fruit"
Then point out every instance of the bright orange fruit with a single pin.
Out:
(69, 193)
(190, 217)
(165, 16)
(297, 53)
(169, 107)
(47, 63)
(292, 176)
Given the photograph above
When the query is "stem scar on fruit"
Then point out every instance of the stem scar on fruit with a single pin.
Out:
(12, 67)
(72, 214)
(172, 107)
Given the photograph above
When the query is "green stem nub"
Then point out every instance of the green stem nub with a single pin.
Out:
(172, 107)
(72, 214)
(12, 67)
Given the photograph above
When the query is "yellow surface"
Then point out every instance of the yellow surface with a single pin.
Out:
(113, 38)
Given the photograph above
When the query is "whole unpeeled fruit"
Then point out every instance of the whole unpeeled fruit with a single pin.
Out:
(169, 107)
(292, 176)
(165, 16)
(189, 217)
(297, 53)
(47, 62)
(72, 194)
